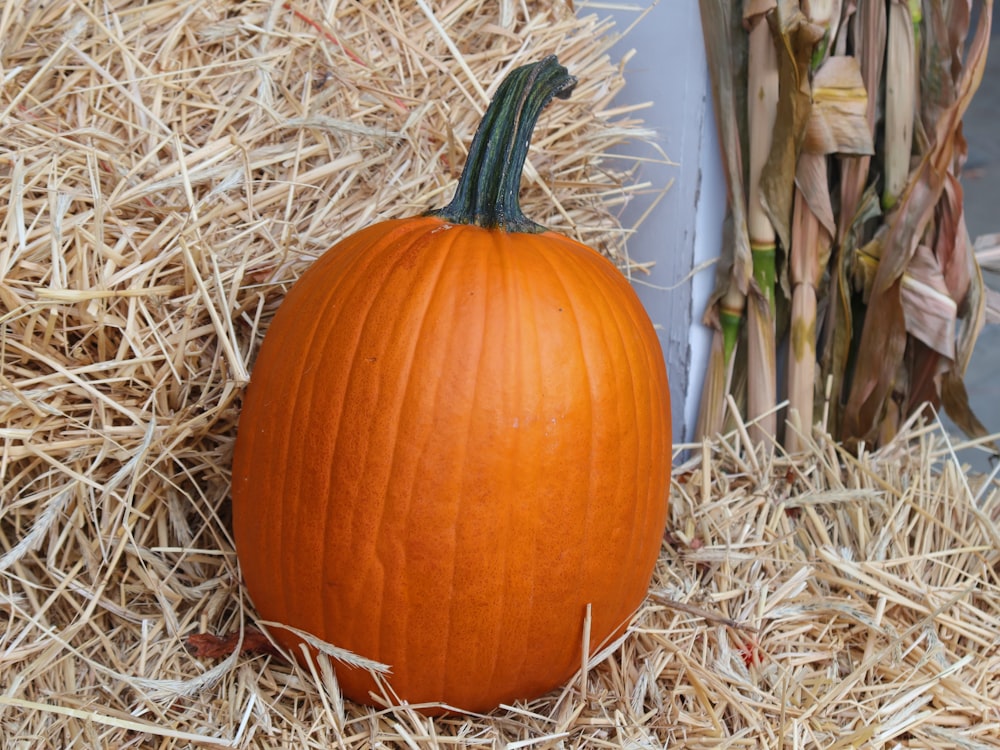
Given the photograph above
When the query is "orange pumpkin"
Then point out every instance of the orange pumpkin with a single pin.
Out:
(456, 438)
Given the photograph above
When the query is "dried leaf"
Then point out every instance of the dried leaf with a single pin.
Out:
(811, 179)
(839, 323)
(923, 367)
(865, 264)
(929, 178)
(827, 14)
(838, 120)
(797, 38)
(250, 641)
(952, 245)
(992, 306)
(884, 327)
(973, 319)
(931, 314)
(879, 355)
(943, 33)
(987, 252)
(712, 407)
(868, 29)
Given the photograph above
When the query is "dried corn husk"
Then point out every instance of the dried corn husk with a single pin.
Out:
(878, 302)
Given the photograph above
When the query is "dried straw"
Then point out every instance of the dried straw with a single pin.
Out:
(170, 169)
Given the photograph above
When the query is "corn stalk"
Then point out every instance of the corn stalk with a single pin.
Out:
(899, 365)
(810, 245)
(901, 90)
(875, 290)
(859, 208)
(725, 310)
(762, 109)
(837, 125)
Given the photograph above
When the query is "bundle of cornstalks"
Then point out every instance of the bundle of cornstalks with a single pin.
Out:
(846, 247)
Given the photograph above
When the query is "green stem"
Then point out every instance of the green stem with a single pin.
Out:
(730, 321)
(764, 271)
(487, 193)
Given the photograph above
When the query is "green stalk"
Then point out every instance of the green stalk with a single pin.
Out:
(487, 192)
(730, 318)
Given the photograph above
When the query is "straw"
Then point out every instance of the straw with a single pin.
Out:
(170, 170)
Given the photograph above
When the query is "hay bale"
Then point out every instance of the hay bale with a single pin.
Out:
(169, 171)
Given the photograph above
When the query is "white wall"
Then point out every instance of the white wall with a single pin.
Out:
(684, 231)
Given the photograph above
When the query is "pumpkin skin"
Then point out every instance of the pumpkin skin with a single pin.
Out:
(454, 440)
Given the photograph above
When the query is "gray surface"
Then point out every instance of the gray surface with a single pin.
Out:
(670, 235)
(981, 183)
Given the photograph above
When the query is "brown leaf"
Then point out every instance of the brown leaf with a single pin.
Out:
(973, 319)
(883, 336)
(712, 408)
(838, 121)
(209, 646)
(952, 246)
(797, 38)
(929, 178)
(879, 354)
(931, 314)
(811, 179)
(839, 322)
(925, 368)
(945, 27)
(864, 265)
(868, 29)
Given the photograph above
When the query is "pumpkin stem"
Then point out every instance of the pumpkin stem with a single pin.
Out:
(487, 193)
